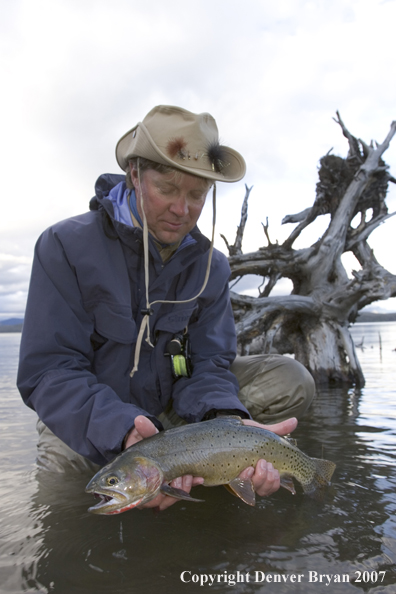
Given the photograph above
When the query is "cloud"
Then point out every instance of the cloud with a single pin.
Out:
(14, 279)
(77, 75)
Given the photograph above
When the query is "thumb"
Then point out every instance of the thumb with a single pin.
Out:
(282, 428)
(145, 427)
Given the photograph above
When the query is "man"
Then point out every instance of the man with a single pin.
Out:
(129, 327)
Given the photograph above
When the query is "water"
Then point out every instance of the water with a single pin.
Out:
(50, 543)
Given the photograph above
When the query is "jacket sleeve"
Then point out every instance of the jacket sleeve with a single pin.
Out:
(56, 374)
(212, 386)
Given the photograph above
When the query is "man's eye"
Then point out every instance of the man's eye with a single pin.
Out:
(165, 191)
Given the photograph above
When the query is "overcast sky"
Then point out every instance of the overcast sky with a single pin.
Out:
(77, 74)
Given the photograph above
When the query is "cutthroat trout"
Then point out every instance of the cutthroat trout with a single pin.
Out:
(217, 450)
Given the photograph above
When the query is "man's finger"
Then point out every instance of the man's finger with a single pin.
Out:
(266, 478)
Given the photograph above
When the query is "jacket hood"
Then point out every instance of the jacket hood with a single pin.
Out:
(103, 186)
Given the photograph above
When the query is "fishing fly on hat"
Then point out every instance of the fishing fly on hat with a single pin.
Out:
(187, 142)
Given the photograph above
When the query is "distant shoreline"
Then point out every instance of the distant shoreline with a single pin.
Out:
(369, 316)
(12, 328)
(363, 318)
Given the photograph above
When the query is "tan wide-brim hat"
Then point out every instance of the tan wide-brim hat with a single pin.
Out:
(184, 140)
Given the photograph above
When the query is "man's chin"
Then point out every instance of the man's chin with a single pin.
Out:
(169, 237)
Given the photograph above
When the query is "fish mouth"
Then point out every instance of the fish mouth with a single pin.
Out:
(111, 503)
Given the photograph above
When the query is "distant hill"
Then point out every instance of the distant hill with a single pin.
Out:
(11, 322)
(11, 325)
(371, 316)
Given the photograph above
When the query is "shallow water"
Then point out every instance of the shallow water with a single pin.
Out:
(50, 543)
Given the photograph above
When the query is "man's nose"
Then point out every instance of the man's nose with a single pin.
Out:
(179, 206)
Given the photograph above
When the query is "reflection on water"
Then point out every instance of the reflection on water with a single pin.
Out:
(50, 543)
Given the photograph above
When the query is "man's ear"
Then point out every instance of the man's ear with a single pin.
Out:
(134, 175)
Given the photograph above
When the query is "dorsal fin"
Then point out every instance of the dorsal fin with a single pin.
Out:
(291, 440)
(229, 419)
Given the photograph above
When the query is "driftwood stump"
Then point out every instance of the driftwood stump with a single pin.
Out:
(313, 321)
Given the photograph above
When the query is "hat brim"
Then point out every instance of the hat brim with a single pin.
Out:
(138, 142)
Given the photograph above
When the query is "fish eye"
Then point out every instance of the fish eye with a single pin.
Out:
(112, 480)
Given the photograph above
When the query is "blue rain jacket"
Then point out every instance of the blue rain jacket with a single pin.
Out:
(81, 323)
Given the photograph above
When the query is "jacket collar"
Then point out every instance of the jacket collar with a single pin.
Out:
(132, 236)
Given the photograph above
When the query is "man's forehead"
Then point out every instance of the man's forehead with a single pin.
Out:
(175, 178)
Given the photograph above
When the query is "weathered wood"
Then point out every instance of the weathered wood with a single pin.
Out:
(312, 323)
(236, 248)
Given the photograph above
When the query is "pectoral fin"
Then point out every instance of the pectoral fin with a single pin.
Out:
(243, 488)
(286, 481)
(177, 493)
(291, 440)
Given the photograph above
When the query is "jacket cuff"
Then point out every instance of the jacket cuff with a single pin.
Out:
(214, 413)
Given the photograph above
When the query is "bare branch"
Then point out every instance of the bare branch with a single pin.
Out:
(270, 305)
(298, 217)
(333, 242)
(226, 242)
(266, 227)
(363, 232)
(236, 248)
(354, 149)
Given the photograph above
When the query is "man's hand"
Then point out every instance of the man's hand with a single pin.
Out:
(264, 476)
(145, 428)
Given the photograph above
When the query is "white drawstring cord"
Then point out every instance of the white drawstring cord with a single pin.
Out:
(147, 312)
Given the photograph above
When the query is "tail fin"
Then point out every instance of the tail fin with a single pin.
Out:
(322, 476)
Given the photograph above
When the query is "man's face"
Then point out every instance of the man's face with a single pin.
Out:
(172, 202)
